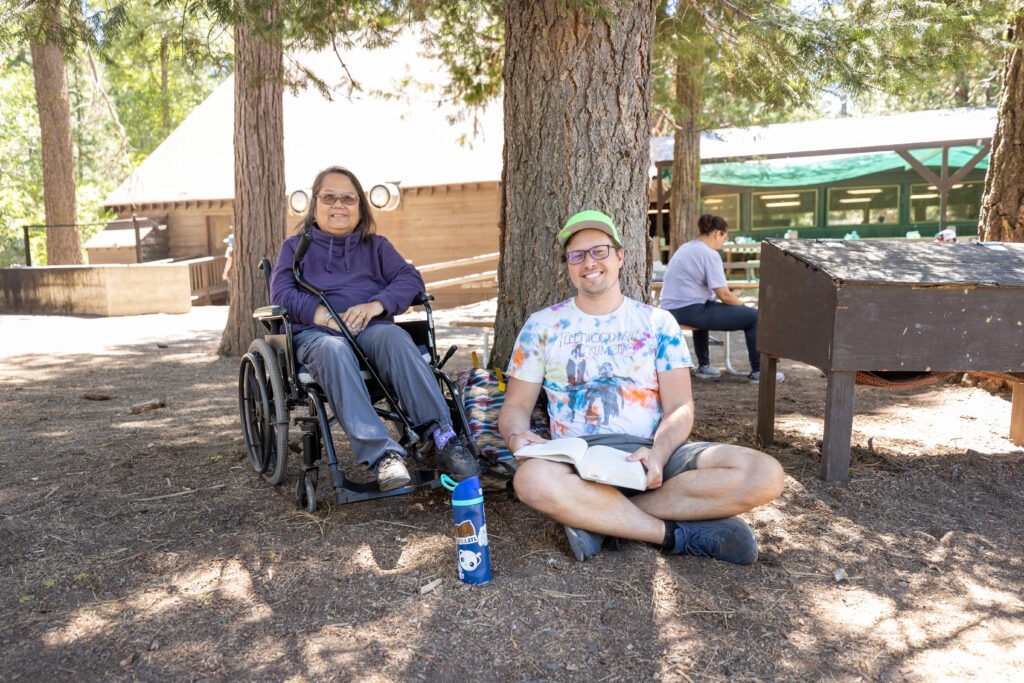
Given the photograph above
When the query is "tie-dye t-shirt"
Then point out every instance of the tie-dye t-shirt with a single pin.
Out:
(600, 372)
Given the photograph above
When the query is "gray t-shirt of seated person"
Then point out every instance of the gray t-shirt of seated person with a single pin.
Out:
(693, 273)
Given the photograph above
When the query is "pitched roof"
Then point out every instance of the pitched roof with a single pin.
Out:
(413, 140)
(407, 138)
(847, 135)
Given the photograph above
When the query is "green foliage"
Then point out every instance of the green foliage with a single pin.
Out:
(72, 24)
(127, 62)
(159, 67)
(21, 168)
(766, 60)
(469, 38)
(951, 54)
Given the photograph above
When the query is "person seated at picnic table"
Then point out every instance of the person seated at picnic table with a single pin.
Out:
(694, 277)
(368, 283)
(599, 344)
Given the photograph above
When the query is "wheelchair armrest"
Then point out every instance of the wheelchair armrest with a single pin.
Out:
(422, 298)
(270, 312)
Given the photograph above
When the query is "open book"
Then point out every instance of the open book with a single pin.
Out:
(596, 463)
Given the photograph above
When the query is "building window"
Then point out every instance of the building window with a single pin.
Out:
(725, 205)
(784, 209)
(964, 202)
(864, 205)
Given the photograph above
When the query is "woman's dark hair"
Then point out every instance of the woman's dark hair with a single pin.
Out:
(366, 222)
(709, 223)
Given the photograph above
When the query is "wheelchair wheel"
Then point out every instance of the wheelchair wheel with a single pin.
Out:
(262, 404)
(253, 406)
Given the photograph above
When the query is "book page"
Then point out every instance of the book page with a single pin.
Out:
(568, 450)
(609, 465)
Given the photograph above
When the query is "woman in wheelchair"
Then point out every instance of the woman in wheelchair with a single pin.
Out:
(368, 283)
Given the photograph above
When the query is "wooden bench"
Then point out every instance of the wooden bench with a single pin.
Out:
(748, 269)
(206, 279)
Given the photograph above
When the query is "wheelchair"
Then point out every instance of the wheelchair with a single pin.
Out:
(272, 385)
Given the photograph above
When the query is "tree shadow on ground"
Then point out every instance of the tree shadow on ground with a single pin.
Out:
(143, 546)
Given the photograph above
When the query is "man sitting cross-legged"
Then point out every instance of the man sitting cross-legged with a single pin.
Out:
(694, 489)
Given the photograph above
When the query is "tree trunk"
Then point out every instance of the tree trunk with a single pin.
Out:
(577, 136)
(63, 246)
(684, 194)
(1002, 203)
(259, 178)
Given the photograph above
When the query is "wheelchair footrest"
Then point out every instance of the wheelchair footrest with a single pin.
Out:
(355, 492)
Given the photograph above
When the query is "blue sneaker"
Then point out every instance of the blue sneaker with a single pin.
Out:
(584, 544)
(730, 540)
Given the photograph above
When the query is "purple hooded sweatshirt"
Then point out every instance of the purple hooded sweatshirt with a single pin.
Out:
(349, 271)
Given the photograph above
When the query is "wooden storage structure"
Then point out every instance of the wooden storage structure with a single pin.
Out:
(116, 243)
(886, 305)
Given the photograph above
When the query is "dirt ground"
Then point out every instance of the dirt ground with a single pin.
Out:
(144, 547)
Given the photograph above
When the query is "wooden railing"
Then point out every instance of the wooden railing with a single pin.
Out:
(205, 277)
(462, 263)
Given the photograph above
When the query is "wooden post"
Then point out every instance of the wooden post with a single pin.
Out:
(766, 401)
(835, 446)
(1017, 415)
(138, 239)
(28, 250)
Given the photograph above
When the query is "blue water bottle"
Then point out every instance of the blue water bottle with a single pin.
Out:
(471, 553)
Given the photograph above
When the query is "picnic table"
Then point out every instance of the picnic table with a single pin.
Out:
(747, 270)
(740, 252)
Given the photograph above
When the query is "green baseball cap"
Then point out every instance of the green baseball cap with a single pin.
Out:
(589, 220)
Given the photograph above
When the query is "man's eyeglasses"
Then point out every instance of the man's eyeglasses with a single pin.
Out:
(598, 253)
(329, 199)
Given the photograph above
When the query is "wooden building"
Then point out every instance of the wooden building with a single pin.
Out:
(126, 240)
(388, 127)
(885, 176)
(877, 176)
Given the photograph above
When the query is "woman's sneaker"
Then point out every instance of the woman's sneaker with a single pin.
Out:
(457, 461)
(708, 372)
(392, 472)
(730, 540)
(755, 377)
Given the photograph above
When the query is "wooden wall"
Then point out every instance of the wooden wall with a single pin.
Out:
(195, 229)
(444, 223)
(431, 225)
(96, 290)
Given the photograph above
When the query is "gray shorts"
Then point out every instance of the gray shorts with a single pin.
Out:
(682, 459)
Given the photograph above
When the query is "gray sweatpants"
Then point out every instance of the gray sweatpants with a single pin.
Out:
(333, 364)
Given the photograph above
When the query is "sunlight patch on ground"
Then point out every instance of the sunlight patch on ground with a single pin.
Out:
(666, 593)
(801, 425)
(922, 419)
(856, 611)
(961, 638)
(991, 650)
(228, 580)
(987, 596)
(43, 334)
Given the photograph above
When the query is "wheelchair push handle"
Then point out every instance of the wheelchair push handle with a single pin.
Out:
(305, 239)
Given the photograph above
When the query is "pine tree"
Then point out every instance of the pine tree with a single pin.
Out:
(1002, 206)
(577, 130)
